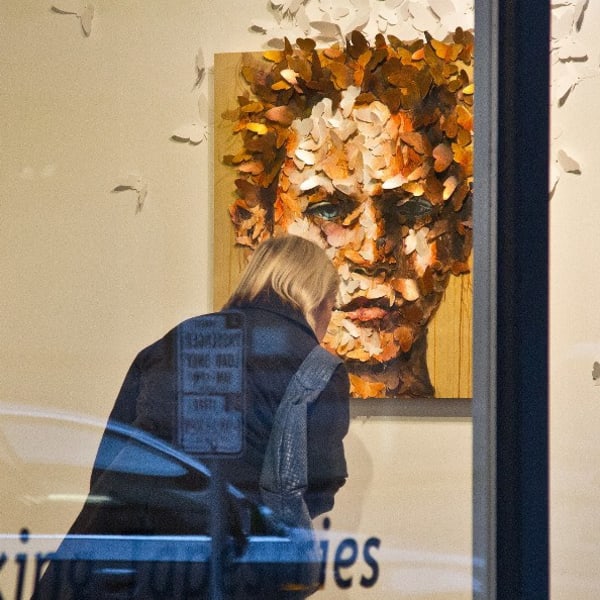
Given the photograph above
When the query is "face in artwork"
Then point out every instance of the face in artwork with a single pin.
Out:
(346, 184)
(366, 150)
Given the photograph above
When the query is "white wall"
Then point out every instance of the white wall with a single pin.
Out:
(86, 281)
(575, 319)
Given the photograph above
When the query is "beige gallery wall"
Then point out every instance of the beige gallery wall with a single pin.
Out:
(575, 319)
(88, 278)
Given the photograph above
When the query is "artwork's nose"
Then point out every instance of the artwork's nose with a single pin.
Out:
(373, 257)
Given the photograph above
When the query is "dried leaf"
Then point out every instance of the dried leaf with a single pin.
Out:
(442, 154)
(252, 107)
(280, 114)
(258, 128)
(275, 56)
(362, 388)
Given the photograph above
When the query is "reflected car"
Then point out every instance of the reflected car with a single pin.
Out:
(45, 463)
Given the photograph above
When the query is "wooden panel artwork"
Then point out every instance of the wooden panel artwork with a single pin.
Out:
(449, 337)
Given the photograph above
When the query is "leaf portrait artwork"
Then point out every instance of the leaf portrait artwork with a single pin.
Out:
(366, 149)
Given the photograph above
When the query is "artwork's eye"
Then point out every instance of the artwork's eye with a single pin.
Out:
(325, 210)
(414, 209)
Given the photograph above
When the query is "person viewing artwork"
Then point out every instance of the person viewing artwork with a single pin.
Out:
(286, 296)
(365, 149)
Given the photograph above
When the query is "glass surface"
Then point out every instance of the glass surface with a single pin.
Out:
(417, 546)
(106, 242)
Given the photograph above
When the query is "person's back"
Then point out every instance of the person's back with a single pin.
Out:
(286, 296)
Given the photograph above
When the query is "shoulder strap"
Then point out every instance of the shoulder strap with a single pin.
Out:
(312, 376)
(284, 476)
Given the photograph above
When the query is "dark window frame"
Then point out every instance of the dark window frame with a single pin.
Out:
(510, 399)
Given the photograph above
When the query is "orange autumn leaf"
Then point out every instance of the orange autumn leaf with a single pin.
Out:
(388, 352)
(281, 85)
(365, 389)
(253, 167)
(417, 140)
(252, 107)
(442, 154)
(463, 156)
(273, 55)
(448, 52)
(418, 54)
(404, 337)
(280, 114)
(464, 118)
(341, 76)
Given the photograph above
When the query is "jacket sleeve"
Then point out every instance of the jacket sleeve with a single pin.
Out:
(328, 421)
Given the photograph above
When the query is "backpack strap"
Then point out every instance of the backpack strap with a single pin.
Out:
(284, 476)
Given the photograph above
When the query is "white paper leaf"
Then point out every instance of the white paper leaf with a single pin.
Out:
(303, 21)
(294, 5)
(327, 29)
(389, 15)
(339, 13)
(68, 7)
(302, 126)
(348, 98)
(308, 158)
(410, 242)
(200, 67)
(423, 18)
(564, 82)
(83, 9)
(554, 177)
(442, 8)
(362, 16)
(315, 181)
(346, 186)
(86, 18)
(580, 8)
(422, 247)
(382, 24)
(261, 25)
(286, 6)
(567, 163)
(394, 182)
(562, 24)
(572, 50)
(195, 133)
(290, 76)
(136, 183)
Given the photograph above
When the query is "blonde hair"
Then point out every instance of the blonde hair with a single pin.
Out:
(295, 269)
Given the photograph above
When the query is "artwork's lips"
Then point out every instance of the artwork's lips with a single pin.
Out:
(364, 309)
(367, 313)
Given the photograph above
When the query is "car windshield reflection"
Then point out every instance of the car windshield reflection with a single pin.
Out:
(44, 478)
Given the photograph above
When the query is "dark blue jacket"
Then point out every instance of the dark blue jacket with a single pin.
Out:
(278, 339)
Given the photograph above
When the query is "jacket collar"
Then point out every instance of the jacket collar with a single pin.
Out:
(271, 302)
